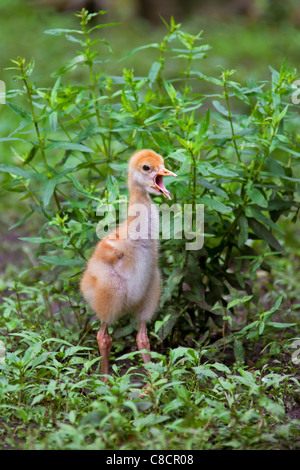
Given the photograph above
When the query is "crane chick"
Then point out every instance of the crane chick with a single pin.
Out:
(122, 275)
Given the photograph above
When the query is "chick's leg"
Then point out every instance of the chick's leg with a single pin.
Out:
(143, 341)
(104, 342)
(145, 314)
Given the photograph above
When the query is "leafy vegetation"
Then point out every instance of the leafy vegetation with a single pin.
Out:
(223, 339)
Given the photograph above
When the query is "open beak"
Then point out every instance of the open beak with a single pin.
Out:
(159, 182)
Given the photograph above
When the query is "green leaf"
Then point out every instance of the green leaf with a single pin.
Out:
(173, 405)
(78, 185)
(289, 151)
(223, 171)
(104, 25)
(32, 352)
(154, 71)
(274, 309)
(272, 407)
(160, 323)
(275, 167)
(20, 111)
(255, 213)
(40, 240)
(170, 90)
(70, 65)
(60, 31)
(181, 351)
(221, 367)
(48, 191)
(71, 38)
(280, 205)
(276, 324)
(264, 234)
(205, 371)
(243, 233)
(220, 108)
(16, 170)
(156, 117)
(66, 145)
(213, 187)
(257, 197)
(201, 76)
(239, 352)
(31, 154)
(53, 121)
(261, 327)
(239, 301)
(251, 325)
(11, 139)
(180, 156)
(20, 222)
(204, 124)
(215, 205)
(172, 282)
(37, 399)
(140, 48)
(61, 261)
(148, 421)
(123, 331)
(282, 114)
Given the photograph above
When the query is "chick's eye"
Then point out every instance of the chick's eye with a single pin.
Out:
(146, 167)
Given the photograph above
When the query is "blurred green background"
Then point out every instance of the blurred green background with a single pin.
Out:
(244, 35)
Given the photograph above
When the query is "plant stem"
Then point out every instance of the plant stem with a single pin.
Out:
(230, 120)
(34, 118)
(89, 61)
(186, 88)
(246, 197)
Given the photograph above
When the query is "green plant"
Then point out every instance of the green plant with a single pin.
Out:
(235, 150)
(237, 159)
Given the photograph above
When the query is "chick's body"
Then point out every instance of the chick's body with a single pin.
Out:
(122, 275)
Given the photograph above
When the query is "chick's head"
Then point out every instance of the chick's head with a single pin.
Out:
(146, 172)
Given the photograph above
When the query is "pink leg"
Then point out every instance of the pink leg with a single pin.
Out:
(143, 341)
(104, 342)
